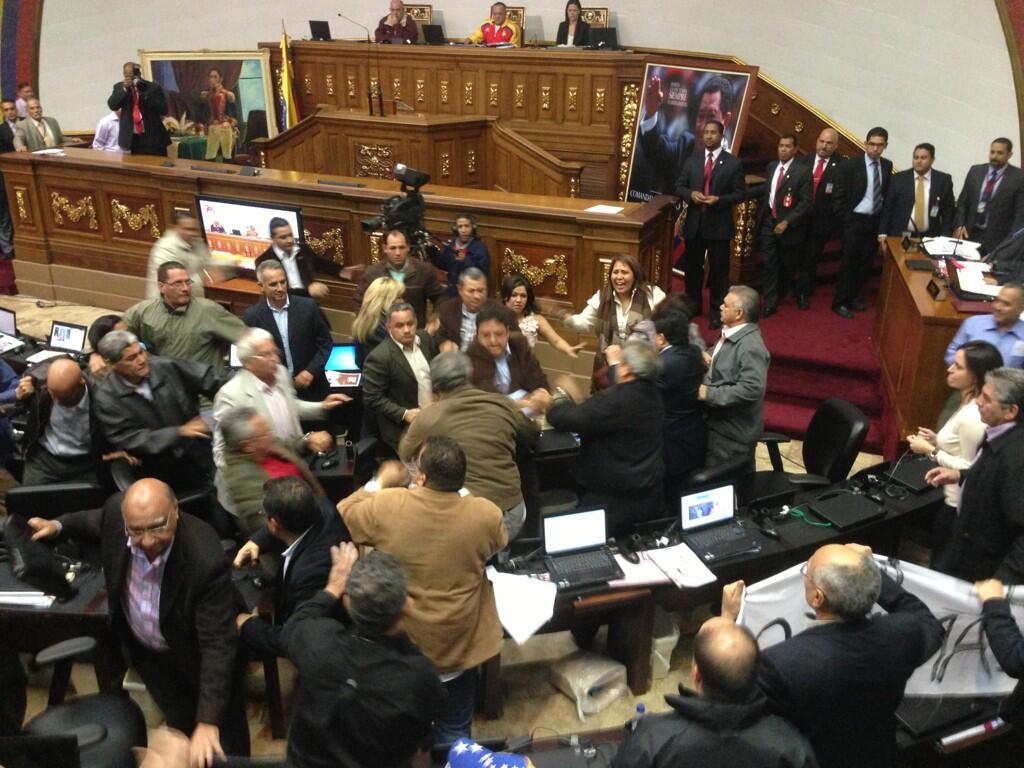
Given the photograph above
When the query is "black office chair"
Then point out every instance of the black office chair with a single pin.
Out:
(834, 438)
(731, 472)
(54, 500)
(106, 725)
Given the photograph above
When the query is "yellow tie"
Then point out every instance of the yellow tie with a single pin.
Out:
(919, 204)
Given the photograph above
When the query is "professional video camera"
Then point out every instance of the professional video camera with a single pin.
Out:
(404, 212)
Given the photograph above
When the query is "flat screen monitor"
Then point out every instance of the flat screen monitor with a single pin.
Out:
(8, 322)
(67, 336)
(320, 30)
(343, 358)
(237, 231)
(574, 530)
(708, 507)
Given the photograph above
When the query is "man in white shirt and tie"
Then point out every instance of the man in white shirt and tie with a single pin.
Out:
(920, 201)
(296, 258)
(37, 132)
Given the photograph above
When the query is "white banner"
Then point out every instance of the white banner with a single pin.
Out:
(776, 608)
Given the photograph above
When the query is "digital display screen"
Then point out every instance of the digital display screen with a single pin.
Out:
(7, 322)
(237, 231)
(65, 336)
(343, 358)
(575, 530)
(707, 507)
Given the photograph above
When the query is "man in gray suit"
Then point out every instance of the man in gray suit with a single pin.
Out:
(733, 389)
(37, 132)
(991, 205)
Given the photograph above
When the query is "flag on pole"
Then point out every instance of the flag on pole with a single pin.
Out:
(289, 104)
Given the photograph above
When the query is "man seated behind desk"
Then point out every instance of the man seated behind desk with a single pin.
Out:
(443, 540)
(299, 328)
(726, 723)
(36, 132)
(301, 529)
(456, 317)
(365, 696)
(497, 30)
(398, 26)
(173, 605)
(297, 260)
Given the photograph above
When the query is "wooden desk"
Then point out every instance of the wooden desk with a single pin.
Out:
(912, 331)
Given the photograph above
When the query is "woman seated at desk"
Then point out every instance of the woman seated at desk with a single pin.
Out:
(573, 31)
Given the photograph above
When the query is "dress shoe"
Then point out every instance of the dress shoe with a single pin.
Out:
(715, 323)
(858, 306)
(803, 303)
(843, 311)
(769, 310)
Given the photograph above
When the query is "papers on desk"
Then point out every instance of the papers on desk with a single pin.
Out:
(947, 246)
(46, 354)
(9, 343)
(26, 598)
(524, 603)
(971, 276)
(54, 151)
(601, 208)
(682, 566)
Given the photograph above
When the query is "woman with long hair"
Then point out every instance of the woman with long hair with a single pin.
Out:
(573, 30)
(370, 326)
(517, 296)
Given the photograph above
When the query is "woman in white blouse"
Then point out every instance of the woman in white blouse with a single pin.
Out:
(956, 443)
(517, 295)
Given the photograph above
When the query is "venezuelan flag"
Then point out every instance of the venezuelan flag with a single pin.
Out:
(19, 44)
(289, 104)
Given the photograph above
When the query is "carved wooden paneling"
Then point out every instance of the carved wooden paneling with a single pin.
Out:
(547, 272)
(134, 218)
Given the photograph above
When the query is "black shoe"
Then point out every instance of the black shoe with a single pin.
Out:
(715, 323)
(843, 311)
(803, 303)
(858, 306)
(769, 310)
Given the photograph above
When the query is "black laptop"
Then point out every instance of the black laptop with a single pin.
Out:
(710, 528)
(433, 34)
(604, 38)
(910, 474)
(576, 551)
(320, 30)
(845, 509)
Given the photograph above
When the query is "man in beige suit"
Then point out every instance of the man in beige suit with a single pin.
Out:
(37, 132)
(443, 540)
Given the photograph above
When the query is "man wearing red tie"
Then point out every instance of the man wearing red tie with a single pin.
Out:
(786, 199)
(143, 106)
(711, 184)
(823, 223)
(991, 204)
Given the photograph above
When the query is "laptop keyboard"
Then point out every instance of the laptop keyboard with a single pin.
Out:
(717, 535)
(583, 567)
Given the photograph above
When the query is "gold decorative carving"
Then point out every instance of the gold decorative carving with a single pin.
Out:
(376, 243)
(574, 186)
(396, 88)
(444, 91)
(374, 160)
(799, 127)
(421, 88)
(21, 196)
(743, 241)
(471, 161)
(263, 158)
(446, 165)
(420, 13)
(351, 81)
(553, 266)
(329, 84)
(606, 267)
(467, 92)
(307, 83)
(492, 94)
(630, 106)
(519, 95)
(121, 214)
(331, 240)
(375, 87)
(573, 90)
(545, 97)
(775, 108)
(599, 95)
(61, 207)
(595, 17)
(657, 266)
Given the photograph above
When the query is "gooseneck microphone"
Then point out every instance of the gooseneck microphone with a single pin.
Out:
(369, 88)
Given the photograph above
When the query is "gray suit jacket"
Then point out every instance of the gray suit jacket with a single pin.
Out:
(736, 384)
(1005, 209)
(27, 135)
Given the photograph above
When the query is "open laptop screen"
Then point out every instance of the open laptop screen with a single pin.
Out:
(706, 507)
(8, 323)
(574, 530)
(67, 336)
(343, 358)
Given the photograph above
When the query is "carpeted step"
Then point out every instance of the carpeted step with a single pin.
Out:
(791, 419)
(802, 385)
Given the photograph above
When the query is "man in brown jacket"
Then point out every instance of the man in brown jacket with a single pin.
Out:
(487, 425)
(443, 540)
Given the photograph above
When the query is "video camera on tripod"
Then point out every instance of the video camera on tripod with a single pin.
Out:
(404, 212)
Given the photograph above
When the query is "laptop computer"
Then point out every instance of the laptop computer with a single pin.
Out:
(845, 509)
(604, 38)
(953, 280)
(433, 34)
(9, 340)
(575, 549)
(65, 339)
(709, 525)
(910, 474)
(341, 368)
(320, 30)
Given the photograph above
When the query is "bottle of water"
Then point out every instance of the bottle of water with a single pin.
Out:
(641, 710)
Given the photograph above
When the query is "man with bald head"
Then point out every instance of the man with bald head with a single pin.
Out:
(63, 441)
(173, 605)
(824, 224)
(725, 722)
(840, 680)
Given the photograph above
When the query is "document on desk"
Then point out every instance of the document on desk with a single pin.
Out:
(973, 281)
(646, 572)
(949, 246)
(26, 598)
(682, 566)
(524, 603)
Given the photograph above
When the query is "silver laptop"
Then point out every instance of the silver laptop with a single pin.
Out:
(709, 525)
(67, 337)
(9, 340)
(576, 551)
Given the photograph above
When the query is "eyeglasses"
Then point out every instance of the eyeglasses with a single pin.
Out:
(158, 527)
(179, 283)
(803, 569)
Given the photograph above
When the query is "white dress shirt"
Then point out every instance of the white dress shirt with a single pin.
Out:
(780, 172)
(291, 267)
(281, 422)
(420, 369)
(911, 227)
(106, 133)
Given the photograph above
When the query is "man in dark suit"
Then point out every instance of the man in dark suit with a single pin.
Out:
(10, 112)
(172, 603)
(621, 465)
(988, 535)
(457, 317)
(418, 276)
(991, 204)
(10, 120)
(143, 105)
(710, 184)
(920, 200)
(860, 192)
(297, 259)
(396, 374)
(823, 223)
(299, 328)
(781, 220)
(301, 529)
(840, 681)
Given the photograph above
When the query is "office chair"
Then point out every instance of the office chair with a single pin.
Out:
(54, 500)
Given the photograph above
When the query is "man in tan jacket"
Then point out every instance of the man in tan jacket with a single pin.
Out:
(443, 540)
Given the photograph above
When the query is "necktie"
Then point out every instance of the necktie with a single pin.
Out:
(819, 170)
(919, 204)
(775, 195)
(708, 165)
(990, 184)
(47, 137)
(137, 126)
(876, 188)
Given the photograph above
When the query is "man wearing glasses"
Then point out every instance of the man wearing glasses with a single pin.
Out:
(178, 324)
(173, 605)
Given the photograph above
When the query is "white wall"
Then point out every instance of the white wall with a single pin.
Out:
(928, 70)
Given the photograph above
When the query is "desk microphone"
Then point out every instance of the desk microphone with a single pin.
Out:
(380, 86)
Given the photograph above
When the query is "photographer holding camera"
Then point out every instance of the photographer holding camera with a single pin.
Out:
(143, 106)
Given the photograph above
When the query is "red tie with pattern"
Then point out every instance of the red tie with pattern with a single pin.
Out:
(819, 170)
(707, 172)
(775, 197)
